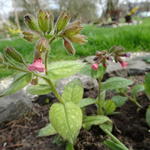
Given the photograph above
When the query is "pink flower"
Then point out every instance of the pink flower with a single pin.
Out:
(37, 65)
(94, 66)
(123, 64)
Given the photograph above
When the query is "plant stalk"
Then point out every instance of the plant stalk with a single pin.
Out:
(114, 138)
(47, 53)
(52, 86)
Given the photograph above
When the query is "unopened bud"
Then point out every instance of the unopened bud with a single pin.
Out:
(62, 21)
(31, 23)
(10, 52)
(104, 62)
(94, 66)
(98, 53)
(37, 54)
(73, 29)
(43, 20)
(80, 39)
(69, 47)
(28, 36)
(123, 64)
(34, 81)
(51, 22)
(42, 45)
(104, 65)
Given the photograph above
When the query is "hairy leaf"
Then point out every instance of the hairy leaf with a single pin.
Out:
(47, 131)
(66, 120)
(73, 92)
(63, 69)
(94, 120)
(20, 82)
(40, 89)
(86, 102)
(119, 100)
(116, 83)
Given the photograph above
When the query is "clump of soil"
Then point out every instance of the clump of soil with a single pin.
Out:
(129, 126)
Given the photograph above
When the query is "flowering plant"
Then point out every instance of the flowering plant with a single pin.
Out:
(104, 105)
(66, 114)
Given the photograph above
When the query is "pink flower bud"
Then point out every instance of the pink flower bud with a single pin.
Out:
(105, 65)
(123, 64)
(37, 65)
(94, 66)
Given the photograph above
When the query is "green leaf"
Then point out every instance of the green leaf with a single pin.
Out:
(40, 89)
(136, 89)
(148, 116)
(86, 102)
(116, 83)
(47, 131)
(98, 73)
(108, 106)
(94, 120)
(147, 84)
(20, 82)
(66, 119)
(63, 69)
(86, 70)
(73, 92)
(119, 100)
(113, 146)
(107, 126)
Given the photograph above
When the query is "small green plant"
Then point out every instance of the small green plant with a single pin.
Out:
(106, 106)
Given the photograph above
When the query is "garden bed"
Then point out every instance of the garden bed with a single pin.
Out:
(129, 127)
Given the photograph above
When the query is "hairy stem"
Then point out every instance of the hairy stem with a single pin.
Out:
(46, 62)
(52, 86)
(114, 138)
(47, 53)
(100, 110)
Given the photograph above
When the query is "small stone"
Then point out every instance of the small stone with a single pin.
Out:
(87, 82)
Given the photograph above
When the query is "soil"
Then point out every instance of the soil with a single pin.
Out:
(129, 126)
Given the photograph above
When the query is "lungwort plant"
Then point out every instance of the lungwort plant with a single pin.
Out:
(105, 106)
(65, 115)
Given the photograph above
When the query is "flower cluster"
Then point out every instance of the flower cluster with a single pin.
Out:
(113, 54)
(44, 30)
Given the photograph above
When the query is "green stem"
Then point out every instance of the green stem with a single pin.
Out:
(16, 68)
(46, 62)
(51, 85)
(135, 101)
(52, 39)
(132, 99)
(114, 138)
(47, 53)
(69, 146)
(100, 109)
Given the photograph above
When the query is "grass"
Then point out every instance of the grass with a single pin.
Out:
(132, 38)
